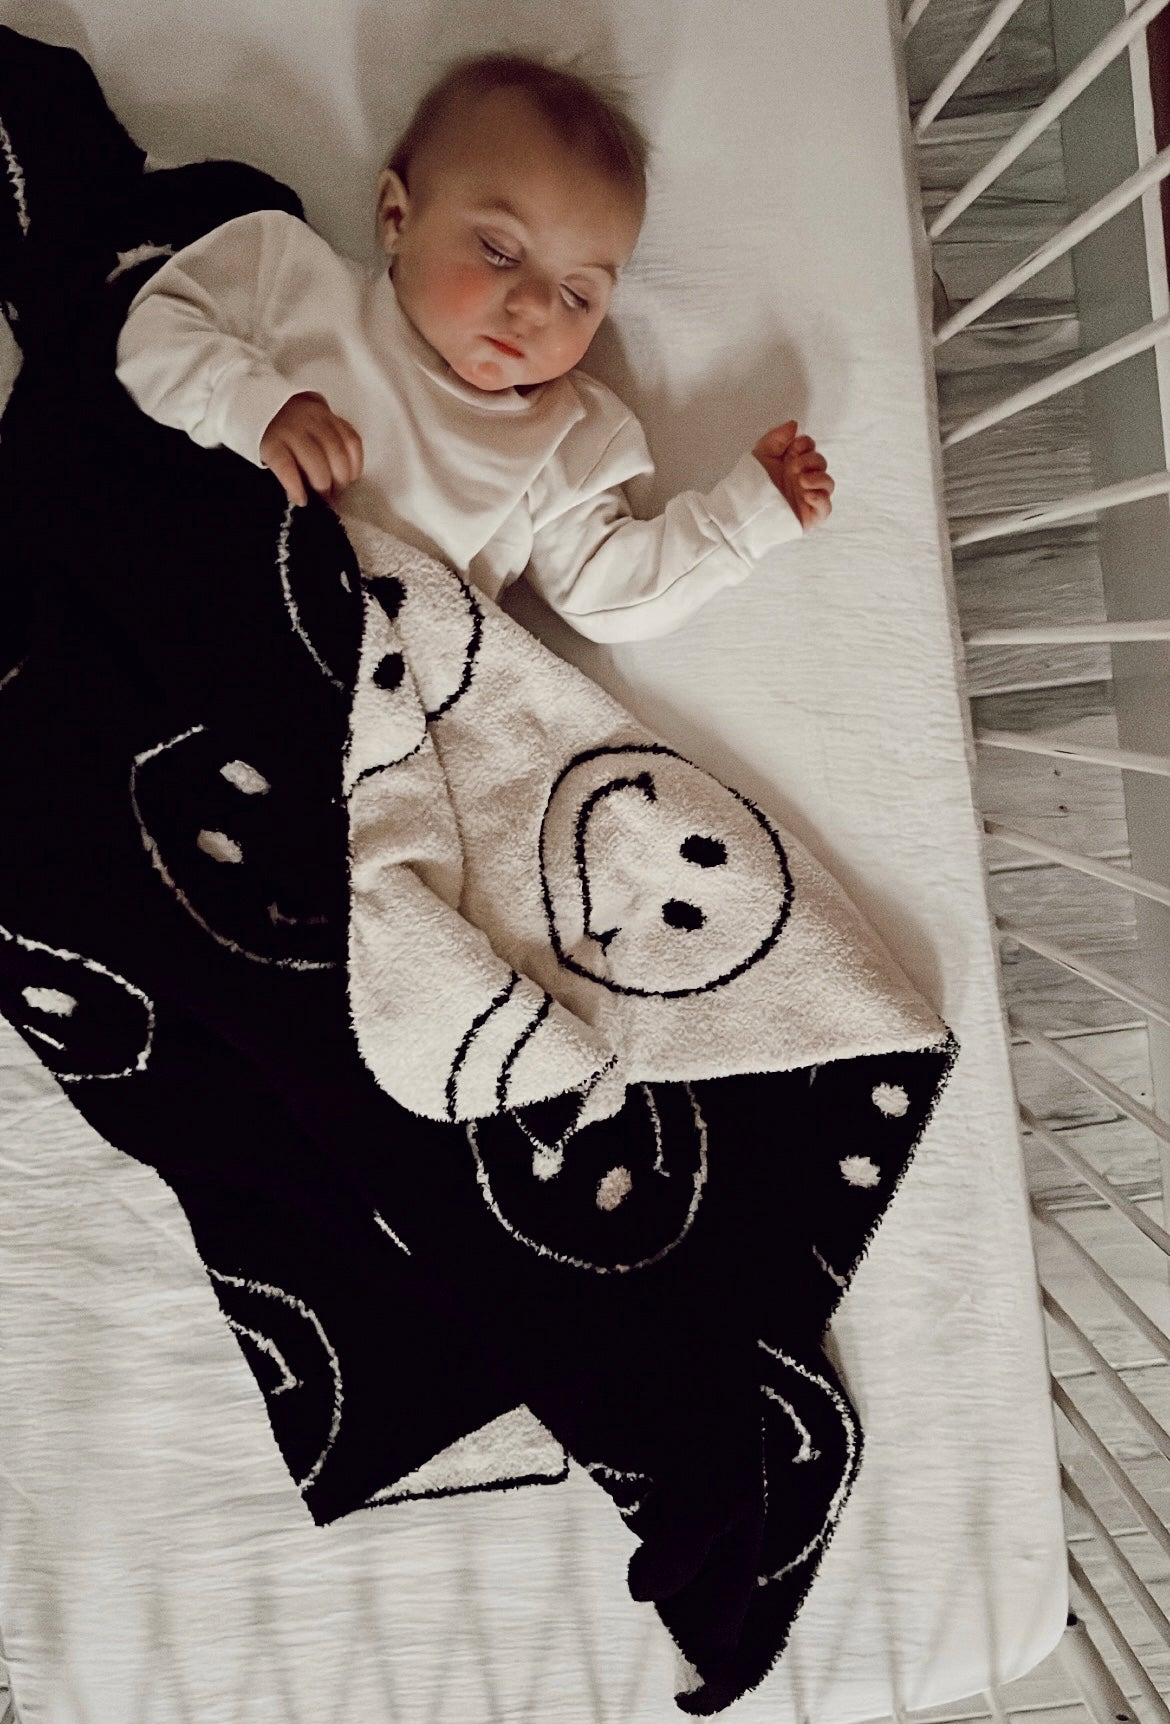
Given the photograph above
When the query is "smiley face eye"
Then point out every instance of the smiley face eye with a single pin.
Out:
(678, 914)
(62, 1005)
(390, 671)
(704, 852)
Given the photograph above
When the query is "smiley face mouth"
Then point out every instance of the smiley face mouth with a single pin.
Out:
(676, 913)
(642, 783)
(609, 892)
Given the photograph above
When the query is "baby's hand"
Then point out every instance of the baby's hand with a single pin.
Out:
(796, 470)
(306, 440)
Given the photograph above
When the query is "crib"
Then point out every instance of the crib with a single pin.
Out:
(1058, 672)
(996, 540)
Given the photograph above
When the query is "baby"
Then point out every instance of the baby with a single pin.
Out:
(441, 397)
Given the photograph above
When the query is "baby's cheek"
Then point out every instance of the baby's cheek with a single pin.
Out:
(461, 295)
(571, 349)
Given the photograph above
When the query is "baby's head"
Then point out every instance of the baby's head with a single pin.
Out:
(507, 208)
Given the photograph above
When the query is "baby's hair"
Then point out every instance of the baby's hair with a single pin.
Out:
(586, 113)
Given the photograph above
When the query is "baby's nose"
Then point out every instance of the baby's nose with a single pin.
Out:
(529, 299)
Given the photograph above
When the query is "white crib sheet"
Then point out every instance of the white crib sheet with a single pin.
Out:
(155, 1563)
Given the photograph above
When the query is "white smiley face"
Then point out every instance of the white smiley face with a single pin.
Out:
(434, 611)
(657, 879)
(84, 1020)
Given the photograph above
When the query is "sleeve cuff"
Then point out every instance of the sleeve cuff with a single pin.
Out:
(750, 512)
(244, 405)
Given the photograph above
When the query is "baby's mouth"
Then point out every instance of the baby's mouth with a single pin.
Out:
(512, 352)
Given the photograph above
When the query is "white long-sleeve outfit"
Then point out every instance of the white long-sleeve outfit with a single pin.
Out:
(495, 484)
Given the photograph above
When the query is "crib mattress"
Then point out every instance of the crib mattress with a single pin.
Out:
(155, 1563)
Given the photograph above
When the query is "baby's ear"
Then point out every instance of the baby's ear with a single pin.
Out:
(393, 204)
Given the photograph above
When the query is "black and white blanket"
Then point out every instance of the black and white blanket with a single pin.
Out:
(506, 1066)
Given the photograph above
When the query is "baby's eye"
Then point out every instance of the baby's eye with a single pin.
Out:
(500, 259)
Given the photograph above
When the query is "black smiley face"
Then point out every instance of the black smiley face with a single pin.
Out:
(294, 1364)
(227, 844)
(812, 1451)
(658, 880)
(616, 1195)
(324, 611)
(84, 1020)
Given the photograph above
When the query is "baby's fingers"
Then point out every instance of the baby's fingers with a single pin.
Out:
(342, 448)
(335, 456)
(354, 448)
(778, 440)
(280, 461)
(817, 482)
(314, 463)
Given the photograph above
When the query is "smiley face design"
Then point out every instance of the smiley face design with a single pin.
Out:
(434, 614)
(84, 1020)
(295, 1365)
(657, 879)
(812, 1453)
(324, 614)
(226, 843)
(616, 1195)
(421, 638)
(12, 663)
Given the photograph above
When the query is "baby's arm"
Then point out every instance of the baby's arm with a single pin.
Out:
(614, 577)
(192, 355)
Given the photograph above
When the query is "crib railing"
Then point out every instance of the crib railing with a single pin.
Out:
(1116, 1680)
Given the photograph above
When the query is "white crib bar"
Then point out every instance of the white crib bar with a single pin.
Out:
(1024, 742)
(1078, 229)
(1149, 1329)
(969, 58)
(1103, 1696)
(913, 13)
(1127, 991)
(1116, 1199)
(1109, 1461)
(1094, 1080)
(1117, 1556)
(1116, 353)
(1139, 1414)
(1099, 1690)
(1084, 503)
(1106, 51)
(1071, 634)
(1123, 877)
(999, 1713)
(1125, 1651)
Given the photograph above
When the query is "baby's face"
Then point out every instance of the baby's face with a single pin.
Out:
(509, 297)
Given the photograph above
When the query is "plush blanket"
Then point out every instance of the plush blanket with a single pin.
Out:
(546, 898)
(526, 1091)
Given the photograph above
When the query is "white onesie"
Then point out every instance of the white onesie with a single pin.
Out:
(495, 484)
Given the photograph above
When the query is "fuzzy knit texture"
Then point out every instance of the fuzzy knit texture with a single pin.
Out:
(652, 1285)
(546, 897)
